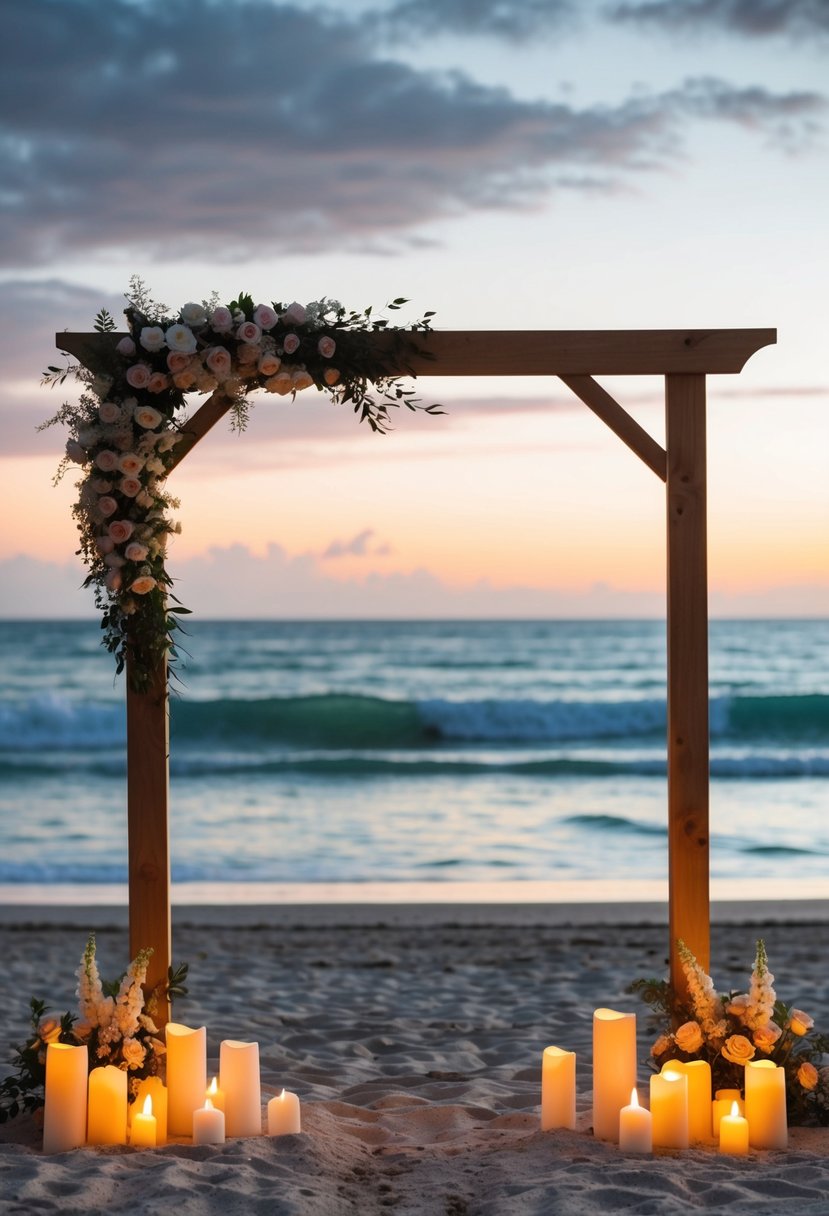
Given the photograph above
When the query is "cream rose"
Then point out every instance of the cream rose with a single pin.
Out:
(799, 1022)
(136, 552)
(326, 347)
(130, 464)
(221, 320)
(138, 376)
(688, 1037)
(133, 1053)
(126, 346)
(290, 343)
(109, 412)
(107, 506)
(129, 486)
(120, 530)
(248, 332)
(218, 360)
(148, 417)
(194, 314)
(181, 338)
(301, 380)
(151, 337)
(738, 1050)
(765, 1037)
(142, 584)
(808, 1075)
(178, 362)
(269, 365)
(264, 316)
(331, 376)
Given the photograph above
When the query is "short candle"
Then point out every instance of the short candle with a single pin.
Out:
(155, 1088)
(734, 1132)
(107, 1111)
(698, 1073)
(208, 1124)
(669, 1109)
(635, 1127)
(144, 1129)
(766, 1105)
(721, 1106)
(558, 1089)
(64, 1116)
(283, 1115)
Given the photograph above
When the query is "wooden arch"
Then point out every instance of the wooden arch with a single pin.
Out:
(683, 358)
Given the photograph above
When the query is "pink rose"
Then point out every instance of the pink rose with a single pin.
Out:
(265, 317)
(219, 361)
(129, 486)
(138, 376)
(151, 337)
(181, 338)
(221, 320)
(136, 552)
(109, 412)
(248, 331)
(294, 314)
(106, 461)
(126, 346)
(326, 347)
(75, 452)
(142, 584)
(130, 464)
(120, 530)
(290, 343)
(269, 365)
(177, 361)
(301, 379)
(147, 417)
(158, 382)
(107, 506)
(113, 580)
(104, 544)
(280, 383)
(331, 376)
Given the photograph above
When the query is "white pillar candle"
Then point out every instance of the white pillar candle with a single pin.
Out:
(152, 1087)
(107, 1109)
(698, 1073)
(558, 1088)
(734, 1132)
(635, 1127)
(766, 1105)
(721, 1106)
(144, 1128)
(283, 1115)
(64, 1116)
(614, 1069)
(669, 1110)
(239, 1079)
(186, 1076)
(208, 1124)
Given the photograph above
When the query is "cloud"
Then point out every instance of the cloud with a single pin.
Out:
(756, 18)
(358, 546)
(516, 20)
(229, 131)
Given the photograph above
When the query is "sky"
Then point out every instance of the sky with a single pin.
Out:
(509, 164)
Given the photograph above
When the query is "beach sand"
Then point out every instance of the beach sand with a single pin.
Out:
(413, 1036)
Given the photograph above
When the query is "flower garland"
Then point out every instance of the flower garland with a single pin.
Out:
(729, 1030)
(115, 1022)
(127, 427)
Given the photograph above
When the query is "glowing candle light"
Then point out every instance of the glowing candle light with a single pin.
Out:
(144, 1129)
(614, 1069)
(734, 1132)
(721, 1106)
(635, 1127)
(216, 1095)
(669, 1110)
(698, 1073)
(208, 1124)
(107, 1109)
(239, 1076)
(64, 1116)
(186, 1076)
(766, 1105)
(558, 1088)
(154, 1088)
(283, 1115)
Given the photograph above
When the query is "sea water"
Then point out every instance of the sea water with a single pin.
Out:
(370, 751)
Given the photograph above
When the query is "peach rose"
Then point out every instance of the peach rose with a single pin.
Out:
(136, 552)
(106, 461)
(738, 1050)
(219, 361)
(331, 376)
(688, 1037)
(107, 506)
(130, 464)
(265, 317)
(765, 1037)
(147, 417)
(662, 1044)
(184, 380)
(120, 530)
(177, 361)
(799, 1022)
(104, 544)
(290, 343)
(129, 486)
(158, 382)
(280, 383)
(109, 412)
(133, 1053)
(113, 580)
(48, 1030)
(248, 354)
(138, 376)
(269, 365)
(808, 1075)
(326, 347)
(301, 380)
(143, 584)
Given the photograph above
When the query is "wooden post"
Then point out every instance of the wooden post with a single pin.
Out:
(687, 671)
(148, 751)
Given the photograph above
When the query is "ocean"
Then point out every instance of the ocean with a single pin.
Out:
(423, 751)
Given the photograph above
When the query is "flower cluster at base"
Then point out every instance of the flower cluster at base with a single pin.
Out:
(115, 1022)
(729, 1030)
(126, 429)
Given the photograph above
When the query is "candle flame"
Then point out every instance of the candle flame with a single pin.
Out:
(634, 1097)
(282, 1096)
(208, 1105)
(735, 1111)
(213, 1088)
(672, 1076)
(148, 1105)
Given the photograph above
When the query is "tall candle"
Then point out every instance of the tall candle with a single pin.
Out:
(734, 1132)
(208, 1124)
(698, 1073)
(766, 1104)
(635, 1127)
(614, 1069)
(154, 1088)
(669, 1110)
(144, 1128)
(64, 1117)
(107, 1110)
(239, 1080)
(186, 1076)
(721, 1106)
(283, 1115)
(558, 1088)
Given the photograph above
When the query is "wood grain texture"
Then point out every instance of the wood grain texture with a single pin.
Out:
(620, 422)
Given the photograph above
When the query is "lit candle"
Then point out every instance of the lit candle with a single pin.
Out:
(283, 1115)
(766, 1104)
(239, 1076)
(698, 1073)
(208, 1124)
(107, 1110)
(558, 1088)
(721, 1106)
(635, 1127)
(734, 1132)
(186, 1076)
(64, 1116)
(216, 1095)
(614, 1069)
(669, 1110)
(154, 1088)
(144, 1129)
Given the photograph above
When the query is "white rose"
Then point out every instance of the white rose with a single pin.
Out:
(294, 314)
(148, 417)
(151, 337)
(126, 346)
(180, 337)
(194, 314)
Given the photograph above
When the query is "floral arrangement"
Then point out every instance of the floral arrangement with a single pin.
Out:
(127, 426)
(730, 1029)
(115, 1021)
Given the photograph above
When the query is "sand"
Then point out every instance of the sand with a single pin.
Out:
(413, 1036)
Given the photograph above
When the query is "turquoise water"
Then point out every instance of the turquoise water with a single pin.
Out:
(377, 751)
